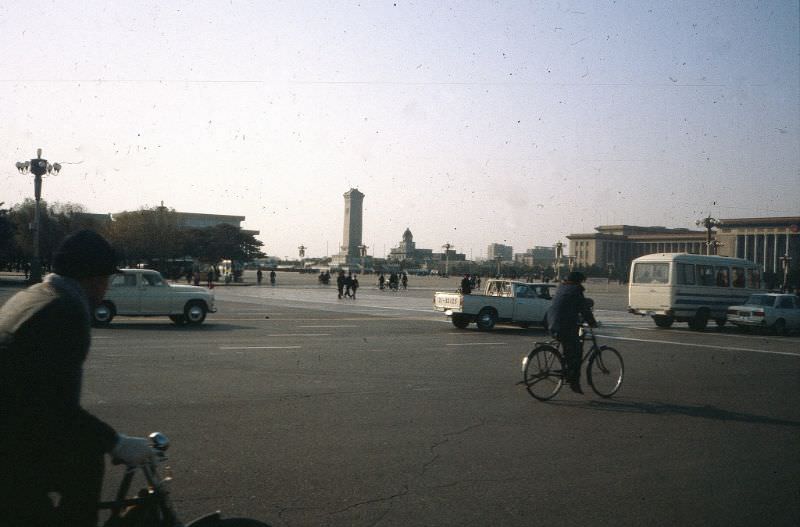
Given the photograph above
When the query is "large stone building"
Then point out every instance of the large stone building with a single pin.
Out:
(615, 246)
(498, 250)
(201, 220)
(761, 240)
(407, 254)
(537, 256)
(407, 251)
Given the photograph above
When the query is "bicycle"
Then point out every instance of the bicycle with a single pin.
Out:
(152, 506)
(544, 371)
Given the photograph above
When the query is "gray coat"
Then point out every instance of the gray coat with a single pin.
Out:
(44, 341)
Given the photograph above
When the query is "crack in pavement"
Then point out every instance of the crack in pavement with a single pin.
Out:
(446, 440)
(406, 488)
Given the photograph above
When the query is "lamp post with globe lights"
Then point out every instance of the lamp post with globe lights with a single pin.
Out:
(709, 223)
(447, 246)
(38, 167)
(362, 252)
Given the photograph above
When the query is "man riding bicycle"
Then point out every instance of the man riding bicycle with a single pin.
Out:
(564, 319)
(51, 449)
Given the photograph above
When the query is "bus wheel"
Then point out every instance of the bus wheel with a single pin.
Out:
(663, 321)
(700, 320)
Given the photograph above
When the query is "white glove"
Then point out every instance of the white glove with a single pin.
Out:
(133, 451)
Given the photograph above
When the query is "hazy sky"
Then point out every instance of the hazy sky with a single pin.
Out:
(468, 122)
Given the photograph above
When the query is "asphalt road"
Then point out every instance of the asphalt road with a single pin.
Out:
(296, 408)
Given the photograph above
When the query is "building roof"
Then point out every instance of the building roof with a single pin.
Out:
(778, 221)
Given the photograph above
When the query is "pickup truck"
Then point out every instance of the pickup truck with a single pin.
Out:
(144, 292)
(502, 301)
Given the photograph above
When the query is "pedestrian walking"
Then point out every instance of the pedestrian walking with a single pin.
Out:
(259, 276)
(272, 277)
(354, 286)
(348, 285)
(340, 283)
(466, 285)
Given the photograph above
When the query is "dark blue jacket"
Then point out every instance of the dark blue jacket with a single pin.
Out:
(567, 306)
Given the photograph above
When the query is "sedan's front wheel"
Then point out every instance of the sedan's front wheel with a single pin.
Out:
(194, 313)
(103, 314)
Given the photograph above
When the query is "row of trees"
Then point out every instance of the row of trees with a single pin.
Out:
(148, 235)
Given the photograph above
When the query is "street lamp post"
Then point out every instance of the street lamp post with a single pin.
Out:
(38, 167)
(301, 251)
(499, 259)
(709, 223)
(362, 251)
(447, 246)
(786, 260)
(557, 263)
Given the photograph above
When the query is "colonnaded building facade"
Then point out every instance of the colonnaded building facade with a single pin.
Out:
(765, 241)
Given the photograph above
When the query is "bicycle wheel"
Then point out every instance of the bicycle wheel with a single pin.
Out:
(605, 371)
(543, 372)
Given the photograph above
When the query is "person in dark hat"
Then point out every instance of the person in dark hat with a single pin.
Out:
(49, 443)
(563, 321)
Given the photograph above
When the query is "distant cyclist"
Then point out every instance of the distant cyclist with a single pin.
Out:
(563, 321)
(50, 445)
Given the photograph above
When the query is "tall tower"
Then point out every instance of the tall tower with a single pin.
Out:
(353, 205)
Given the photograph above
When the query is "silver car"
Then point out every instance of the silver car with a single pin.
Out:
(144, 292)
(776, 311)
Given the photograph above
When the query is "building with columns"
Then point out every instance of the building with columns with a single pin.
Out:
(764, 241)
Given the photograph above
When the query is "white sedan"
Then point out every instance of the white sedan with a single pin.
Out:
(776, 311)
(144, 292)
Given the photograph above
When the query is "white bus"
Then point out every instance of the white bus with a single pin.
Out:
(689, 288)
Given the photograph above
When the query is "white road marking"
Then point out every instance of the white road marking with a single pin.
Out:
(478, 344)
(308, 327)
(259, 347)
(708, 346)
(299, 335)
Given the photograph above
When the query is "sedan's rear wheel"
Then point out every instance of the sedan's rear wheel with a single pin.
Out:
(195, 313)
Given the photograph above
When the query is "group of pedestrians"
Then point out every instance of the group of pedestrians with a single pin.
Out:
(469, 283)
(260, 276)
(347, 285)
(394, 282)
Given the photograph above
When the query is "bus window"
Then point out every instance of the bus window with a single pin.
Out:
(686, 274)
(651, 273)
(705, 274)
(753, 279)
(723, 275)
(738, 277)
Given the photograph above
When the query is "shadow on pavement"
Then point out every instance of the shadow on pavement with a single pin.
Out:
(658, 408)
